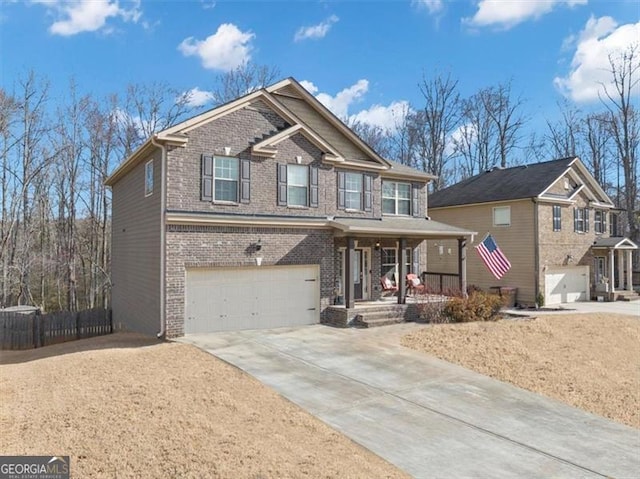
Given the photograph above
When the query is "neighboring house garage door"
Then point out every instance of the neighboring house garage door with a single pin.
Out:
(566, 284)
(231, 299)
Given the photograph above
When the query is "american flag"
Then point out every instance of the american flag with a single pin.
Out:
(493, 257)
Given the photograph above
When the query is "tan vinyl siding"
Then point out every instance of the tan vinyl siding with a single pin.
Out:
(136, 251)
(322, 127)
(516, 241)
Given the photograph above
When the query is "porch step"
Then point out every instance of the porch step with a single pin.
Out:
(374, 316)
(627, 296)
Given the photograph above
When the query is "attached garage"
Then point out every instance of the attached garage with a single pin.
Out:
(232, 299)
(566, 284)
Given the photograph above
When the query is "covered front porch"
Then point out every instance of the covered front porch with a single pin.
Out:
(372, 252)
(613, 267)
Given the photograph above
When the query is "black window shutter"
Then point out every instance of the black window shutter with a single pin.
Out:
(341, 192)
(586, 219)
(575, 219)
(415, 200)
(313, 186)
(206, 183)
(245, 181)
(368, 187)
(282, 185)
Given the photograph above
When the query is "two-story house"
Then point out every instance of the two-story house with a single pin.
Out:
(554, 223)
(264, 212)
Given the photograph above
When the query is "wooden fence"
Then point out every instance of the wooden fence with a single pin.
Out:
(26, 331)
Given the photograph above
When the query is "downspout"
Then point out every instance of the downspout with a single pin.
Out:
(536, 249)
(163, 207)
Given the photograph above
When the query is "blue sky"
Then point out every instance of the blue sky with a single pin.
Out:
(362, 59)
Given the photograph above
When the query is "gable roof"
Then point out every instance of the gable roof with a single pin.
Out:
(518, 182)
(309, 112)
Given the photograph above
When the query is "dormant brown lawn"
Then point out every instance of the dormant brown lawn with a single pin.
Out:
(590, 361)
(129, 407)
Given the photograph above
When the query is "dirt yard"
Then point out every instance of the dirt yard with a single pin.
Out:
(127, 406)
(590, 361)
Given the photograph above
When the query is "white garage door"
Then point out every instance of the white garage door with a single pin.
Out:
(566, 284)
(231, 299)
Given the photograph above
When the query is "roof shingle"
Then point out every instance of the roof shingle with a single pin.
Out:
(518, 182)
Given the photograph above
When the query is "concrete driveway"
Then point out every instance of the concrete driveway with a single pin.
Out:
(430, 418)
(618, 307)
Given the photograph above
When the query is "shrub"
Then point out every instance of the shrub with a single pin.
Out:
(478, 306)
(431, 309)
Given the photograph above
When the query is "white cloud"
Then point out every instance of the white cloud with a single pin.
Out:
(88, 15)
(225, 50)
(340, 103)
(590, 69)
(310, 87)
(196, 97)
(389, 118)
(432, 6)
(386, 117)
(506, 15)
(315, 31)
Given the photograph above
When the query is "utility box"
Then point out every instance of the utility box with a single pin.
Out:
(509, 295)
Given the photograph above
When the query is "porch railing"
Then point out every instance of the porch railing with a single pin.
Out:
(442, 283)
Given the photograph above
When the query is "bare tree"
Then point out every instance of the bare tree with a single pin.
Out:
(376, 137)
(504, 112)
(624, 125)
(564, 136)
(244, 79)
(474, 142)
(596, 139)
(149, 108)
(434, 124)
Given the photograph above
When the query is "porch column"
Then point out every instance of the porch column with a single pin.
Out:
(462, 266)
(620, 255)
(612, 288)
(348, 274)
(629, 254)
(402, 271)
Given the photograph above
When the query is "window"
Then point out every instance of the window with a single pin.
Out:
(502, 216)
(221, 179)
(557, 218)
(353, 191)
(297, 185)
(600, 221)
(581, 220)
(148, 178)
(613, 225)
(225, 186)
(396, 198)
(390, 260)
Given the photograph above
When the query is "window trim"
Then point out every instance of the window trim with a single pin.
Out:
(397, 199)
(501, 225)
(306, 186)
(148, 178)
(581, 220)
(600, 221)
(215, 178)
(360, 193)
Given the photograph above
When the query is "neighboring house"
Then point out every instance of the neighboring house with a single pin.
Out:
(552, 220)
(264, 212)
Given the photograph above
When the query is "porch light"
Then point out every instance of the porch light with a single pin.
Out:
(258, 246)
(377, 245)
